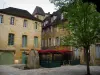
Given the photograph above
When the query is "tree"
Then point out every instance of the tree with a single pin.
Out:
(83, 23)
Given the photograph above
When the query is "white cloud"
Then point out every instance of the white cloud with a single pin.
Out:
(28, 4)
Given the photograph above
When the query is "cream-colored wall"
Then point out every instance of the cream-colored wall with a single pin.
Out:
(93, 59)
(18, 30)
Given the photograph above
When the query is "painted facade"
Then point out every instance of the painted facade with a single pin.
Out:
(31, 29)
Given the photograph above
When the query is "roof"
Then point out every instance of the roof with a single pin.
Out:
(47, 13)
(38, 10)
(55, 22)
(58, 19)
(19, 13)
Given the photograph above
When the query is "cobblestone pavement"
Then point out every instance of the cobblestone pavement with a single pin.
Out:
(63, 70)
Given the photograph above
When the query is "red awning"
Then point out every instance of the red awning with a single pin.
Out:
(47, 51)
(54, 51)
(64, 51)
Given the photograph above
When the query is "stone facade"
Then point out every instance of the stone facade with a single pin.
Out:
(18, 30)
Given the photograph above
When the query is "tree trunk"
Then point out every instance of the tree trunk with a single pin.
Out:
(87, 60)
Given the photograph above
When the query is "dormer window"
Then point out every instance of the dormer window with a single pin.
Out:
(12, 20)
(51, 20)
(46, 22)
(36, 16)
(54, 17)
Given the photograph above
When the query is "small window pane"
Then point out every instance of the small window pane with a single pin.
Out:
(49, 41)
(35, 41)
(12, 21)
(57, 41)
(25, 23)
(98, 51)
(1, 19)
(24, 41)
(11, 39)
(36, 27)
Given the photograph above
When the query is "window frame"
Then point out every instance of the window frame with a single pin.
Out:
(24, 40)
(12, 20)
(11, 37)
(36, 25)
(36, 42)
(97, 51)
(50, 41)
(25, 23)
(57, 41)
(1, 19)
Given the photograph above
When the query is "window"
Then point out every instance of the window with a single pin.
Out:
(25, 23)
(24, 41)
(43, 31)
(37, 16)
(48, 29)
(53, 42)
(76, 52)
(51, 29)
(11, 39)
(57, 29)
(1, 19)
(49, 41)
(35, 41)
(36, 27)
(51, 20)
(43, 43)
(46, 22)
(54, 17)
(98, 51)
(57, 41)
(46, 43)
(12, 21)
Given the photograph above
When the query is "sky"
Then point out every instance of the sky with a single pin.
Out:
(28, 5)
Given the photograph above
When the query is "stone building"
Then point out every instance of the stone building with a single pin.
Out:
(39, 13)
(19, 33)
(52, 33)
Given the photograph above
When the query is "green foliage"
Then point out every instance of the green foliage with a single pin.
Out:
(59, 3)
(83, 23)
